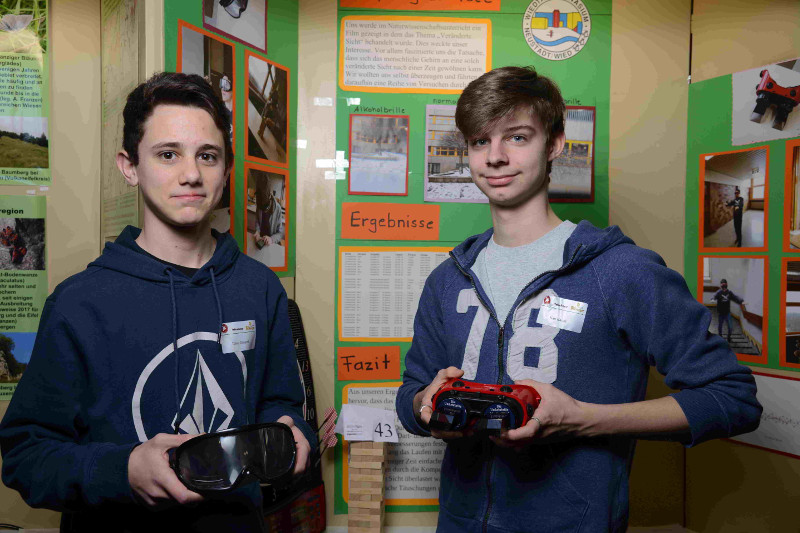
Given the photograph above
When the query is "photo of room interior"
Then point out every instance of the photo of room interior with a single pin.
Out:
(243, 20)
(793, 182)
(266, 217)
(792, 310)
(730, 179)
(743, 324)
(267, 110)
(210, 58)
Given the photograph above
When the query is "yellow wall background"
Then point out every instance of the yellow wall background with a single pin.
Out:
(719, 486)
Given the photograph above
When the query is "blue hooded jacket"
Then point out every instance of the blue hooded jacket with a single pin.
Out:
(105, 375)
(640, 314)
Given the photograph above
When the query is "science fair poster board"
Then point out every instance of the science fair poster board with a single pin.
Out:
(24, 93)
(741, 203)
(23, 283)
(402, 67)
(250, 59)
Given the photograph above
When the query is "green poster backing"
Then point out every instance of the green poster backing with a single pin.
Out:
(709, 131)
(282, 44)
(584, 80)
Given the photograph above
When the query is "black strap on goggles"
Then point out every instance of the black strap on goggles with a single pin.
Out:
(217, 462)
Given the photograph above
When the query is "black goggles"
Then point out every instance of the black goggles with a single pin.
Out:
(217, 462)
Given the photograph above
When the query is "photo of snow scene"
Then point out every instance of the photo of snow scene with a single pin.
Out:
(447, 176)
(572, 178)
(379, 154)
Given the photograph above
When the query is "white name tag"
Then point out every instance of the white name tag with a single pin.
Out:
(562, 313)
(238, 336)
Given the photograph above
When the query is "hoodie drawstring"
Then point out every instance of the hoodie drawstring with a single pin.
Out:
(168, 271)
(175, 348)
(219, 305)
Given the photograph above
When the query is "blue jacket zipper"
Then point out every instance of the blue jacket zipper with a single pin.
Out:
(500, 362)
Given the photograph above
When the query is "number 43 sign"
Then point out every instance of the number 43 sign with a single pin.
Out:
(360, 423)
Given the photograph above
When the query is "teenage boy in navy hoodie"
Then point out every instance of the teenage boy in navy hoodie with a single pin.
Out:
(134, 355)
(488, 314)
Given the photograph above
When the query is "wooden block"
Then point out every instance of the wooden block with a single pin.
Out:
(366, 490)
(376, 529)
(367, 451)
(366, 484)
(364, 518)
(375, 477)
(366, 505)
(371, 465)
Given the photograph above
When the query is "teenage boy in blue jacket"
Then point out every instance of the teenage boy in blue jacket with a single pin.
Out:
(489, 314)
(135, 356)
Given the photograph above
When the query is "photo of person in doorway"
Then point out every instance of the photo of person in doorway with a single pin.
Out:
(738, 210)
(734, 200)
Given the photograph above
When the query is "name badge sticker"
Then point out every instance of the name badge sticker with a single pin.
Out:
(562, 313)
(238, 336)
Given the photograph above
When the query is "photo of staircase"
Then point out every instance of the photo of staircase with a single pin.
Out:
(739, 342)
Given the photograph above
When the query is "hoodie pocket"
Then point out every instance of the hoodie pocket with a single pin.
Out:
(531, 492)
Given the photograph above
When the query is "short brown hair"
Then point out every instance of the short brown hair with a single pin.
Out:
(172, 88)
(503, 91)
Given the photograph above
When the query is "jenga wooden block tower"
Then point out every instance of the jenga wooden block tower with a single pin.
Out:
(365, 509)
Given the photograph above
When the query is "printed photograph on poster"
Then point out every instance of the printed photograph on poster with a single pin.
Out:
(205, 54)
(15, 354)
(733, 289)
(267, 205)
(572, 177)
(378, 155)
(447, 175)
(24, 142)
(765, 102)
(733, 203)
(24, 93)
(791, 197)
(22, 244)
(222, 215)
(242, 20)
(23, 26)
(790, 330)
(267, 117)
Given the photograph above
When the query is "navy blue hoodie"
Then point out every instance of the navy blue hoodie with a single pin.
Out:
(640, 314)
(104, 376)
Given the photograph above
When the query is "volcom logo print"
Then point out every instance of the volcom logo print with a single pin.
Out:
(523, 336)
(208, 388)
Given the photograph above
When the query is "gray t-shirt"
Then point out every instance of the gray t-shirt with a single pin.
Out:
(504, 272)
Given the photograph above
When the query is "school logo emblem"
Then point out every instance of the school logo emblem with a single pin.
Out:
(556, 29)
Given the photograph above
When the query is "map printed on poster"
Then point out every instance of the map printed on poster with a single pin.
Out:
(24, 100)
(412, 465)
(379, 290)
(23, 284)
